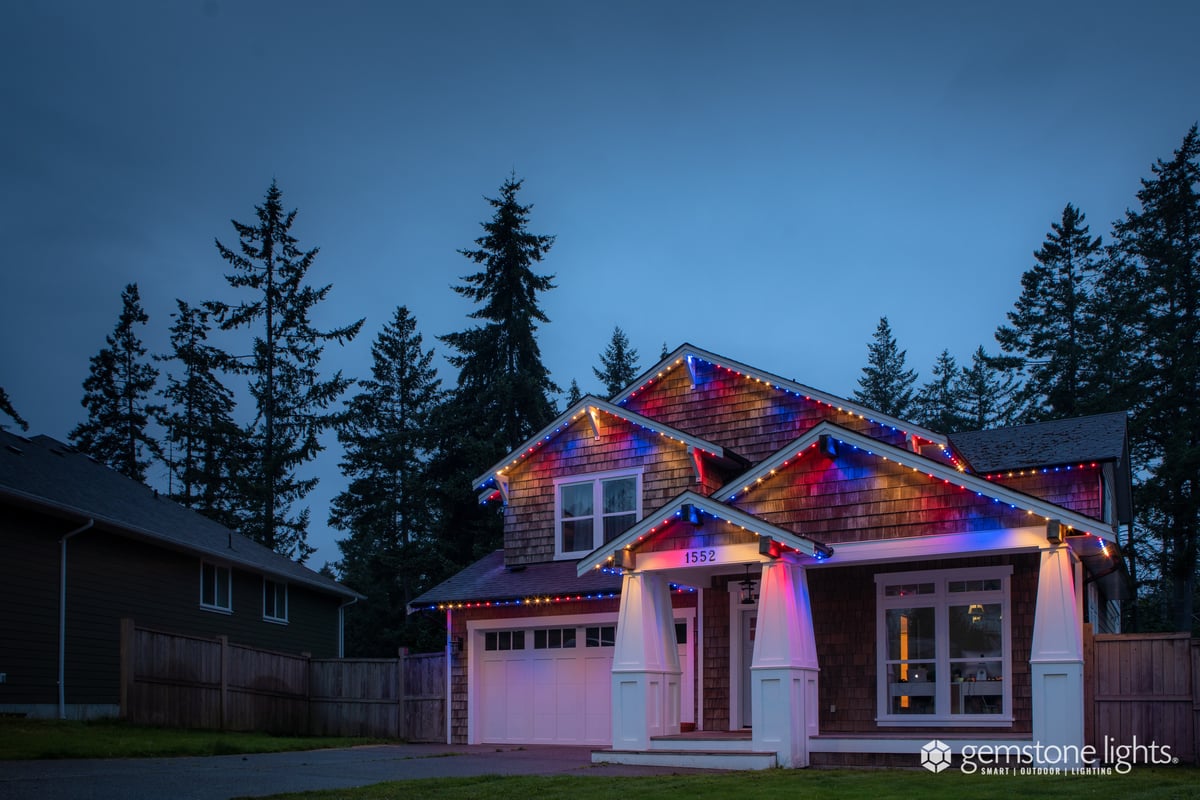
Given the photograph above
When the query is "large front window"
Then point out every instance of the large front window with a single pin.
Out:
(944, 647)
(592, 510)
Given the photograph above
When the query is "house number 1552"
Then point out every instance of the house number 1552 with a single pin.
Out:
(699, 556)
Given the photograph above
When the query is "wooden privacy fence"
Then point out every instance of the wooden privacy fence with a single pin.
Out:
(181, 681)
(1145, 685)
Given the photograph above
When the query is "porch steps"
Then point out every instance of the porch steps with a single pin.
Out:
(694, 759)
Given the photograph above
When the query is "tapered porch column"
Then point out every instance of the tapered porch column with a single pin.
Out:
(783, 673)
(1056, 657)
(645, 672)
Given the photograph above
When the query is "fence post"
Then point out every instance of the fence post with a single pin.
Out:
(224, 641)
(127, 644)
(401, 700)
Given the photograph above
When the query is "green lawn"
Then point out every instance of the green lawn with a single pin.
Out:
(1161, 782)
(27, 739)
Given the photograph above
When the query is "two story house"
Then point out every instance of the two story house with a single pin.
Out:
(718, 559)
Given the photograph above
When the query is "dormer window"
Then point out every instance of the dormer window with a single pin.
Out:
(591, 510)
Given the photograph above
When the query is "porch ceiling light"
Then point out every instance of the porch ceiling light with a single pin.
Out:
(749, 597)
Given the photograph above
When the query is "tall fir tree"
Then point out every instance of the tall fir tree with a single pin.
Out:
(205, 444)
(619, 362)
(117, 393)
(939, 403)
(987, 393)
(574, 395)
(886, 384)
(6, 408)
(389, 554)
(291, 398)
(1050, 333)
(1160, 241)
(503, 391)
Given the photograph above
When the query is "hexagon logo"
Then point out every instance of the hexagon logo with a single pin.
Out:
(935, 756)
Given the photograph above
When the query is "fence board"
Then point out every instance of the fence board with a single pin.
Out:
(176, 680)
(1144, 686)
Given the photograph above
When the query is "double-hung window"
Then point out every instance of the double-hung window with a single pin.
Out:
(216, 593)
(275, 601)
(944, 647)
(590, 510)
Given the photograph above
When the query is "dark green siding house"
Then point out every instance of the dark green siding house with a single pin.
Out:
(127, 552)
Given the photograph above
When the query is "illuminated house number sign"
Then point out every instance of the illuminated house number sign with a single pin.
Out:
(705, 556)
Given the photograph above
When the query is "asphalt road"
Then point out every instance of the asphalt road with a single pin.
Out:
(223, 777)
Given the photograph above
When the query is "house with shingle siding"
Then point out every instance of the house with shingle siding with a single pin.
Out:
(84, 547)
(718, 559)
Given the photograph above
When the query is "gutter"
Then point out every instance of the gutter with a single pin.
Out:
(62, 615)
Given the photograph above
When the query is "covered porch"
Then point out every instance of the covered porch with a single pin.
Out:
(758, 694)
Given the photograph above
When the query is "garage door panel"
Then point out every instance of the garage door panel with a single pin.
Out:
(548, 695)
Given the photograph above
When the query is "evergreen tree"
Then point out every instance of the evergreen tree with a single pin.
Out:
(988, 394)
(1161, 241)
(203, 437)
(503, 392)
(1049, 331)
(291, 399)
(886, 385)
(619, 361)
(6, 408)
(573, 394)
(939, 403)
(116, 394)
(389, 554)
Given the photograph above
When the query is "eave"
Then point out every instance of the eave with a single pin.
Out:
(592, 407)
(671, 513)
(681, 358)
(933, 469)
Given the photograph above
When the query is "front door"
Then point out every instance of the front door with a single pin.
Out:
(749, 624)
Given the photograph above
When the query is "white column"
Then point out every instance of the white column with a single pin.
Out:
(783, 673)
(645, 672)
(1056, 660)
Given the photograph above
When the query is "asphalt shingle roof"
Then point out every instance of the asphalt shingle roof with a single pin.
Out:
(1100, 437)
(41, 472)
(489, 579)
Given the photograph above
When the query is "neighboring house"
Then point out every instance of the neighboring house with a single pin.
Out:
(717, 549)
(84, 547)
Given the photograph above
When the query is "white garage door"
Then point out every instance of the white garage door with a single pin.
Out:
(545, 685)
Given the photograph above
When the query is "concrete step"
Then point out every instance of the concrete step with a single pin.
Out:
(695, 759)
(741, 744)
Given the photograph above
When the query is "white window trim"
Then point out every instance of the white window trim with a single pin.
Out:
(940, 600)
(286, 602)
(596, 479)
(220, 609)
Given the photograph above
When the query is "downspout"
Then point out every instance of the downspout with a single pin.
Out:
(341, 648)
(62, 616)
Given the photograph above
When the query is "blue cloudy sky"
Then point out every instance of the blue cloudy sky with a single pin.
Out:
(763, 179)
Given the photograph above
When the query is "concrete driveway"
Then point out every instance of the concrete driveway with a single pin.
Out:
(223, 777)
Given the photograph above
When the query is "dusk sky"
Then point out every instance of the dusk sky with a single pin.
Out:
(763, 180)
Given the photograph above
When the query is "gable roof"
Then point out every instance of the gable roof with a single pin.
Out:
(46, 475)
(589, 404)
(673, 510)
(933, 468)
(685, 352)
(489, 582)
(1100, 437)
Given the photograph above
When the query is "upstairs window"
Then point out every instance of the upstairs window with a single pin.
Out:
(275, 601)
(594, 509)
(216, 587)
